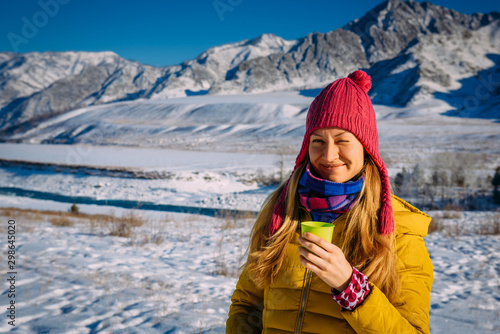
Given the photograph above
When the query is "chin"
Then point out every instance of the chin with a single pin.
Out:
(337, 179)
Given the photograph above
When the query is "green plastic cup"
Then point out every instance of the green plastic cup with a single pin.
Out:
(321, 229)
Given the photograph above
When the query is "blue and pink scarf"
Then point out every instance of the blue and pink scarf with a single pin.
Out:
(327, 200)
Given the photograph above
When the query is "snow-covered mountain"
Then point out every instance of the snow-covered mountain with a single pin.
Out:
(412, 50)
(37, 86)
(415, 50)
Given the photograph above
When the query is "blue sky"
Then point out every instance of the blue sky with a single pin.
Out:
(168, 32)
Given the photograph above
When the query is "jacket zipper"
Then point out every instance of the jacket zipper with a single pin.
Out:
(303, 301)
(307, 276)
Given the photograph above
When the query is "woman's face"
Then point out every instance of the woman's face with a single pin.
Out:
(336, 154)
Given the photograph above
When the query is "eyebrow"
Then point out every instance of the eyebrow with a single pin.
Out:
(318, 135)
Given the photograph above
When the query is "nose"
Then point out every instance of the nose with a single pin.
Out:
(331, 152)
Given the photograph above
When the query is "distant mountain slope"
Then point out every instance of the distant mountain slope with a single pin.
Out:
(262, 122)
(412, 51)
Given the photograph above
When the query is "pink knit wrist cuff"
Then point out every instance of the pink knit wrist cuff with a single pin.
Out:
(355, 293)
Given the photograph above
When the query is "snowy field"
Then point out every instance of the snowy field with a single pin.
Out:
(139, 176)
(229, 160)
(176, 272)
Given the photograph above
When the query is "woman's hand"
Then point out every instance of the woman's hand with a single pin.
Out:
(328, 261)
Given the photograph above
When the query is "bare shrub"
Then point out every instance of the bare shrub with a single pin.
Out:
(221, 267)
(28, 226)
(268, 179)
(450, 229)
(122, 227)
(453, 214)
(100, 221)
(230, 219)
(61, 221)
(32, 215)
(7, 213)
(229, 222)
(454, 230)
(452, 207)
(133, 219)
(37, 216)
(117, 226)
(155, 238)
(187, 218)
(491, 226)
(436, 225)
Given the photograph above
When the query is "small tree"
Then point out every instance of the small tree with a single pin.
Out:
(74, 208)
(496, 183)
(440, 181)
(398, 182)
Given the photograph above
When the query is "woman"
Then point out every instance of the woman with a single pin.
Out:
(375, 275)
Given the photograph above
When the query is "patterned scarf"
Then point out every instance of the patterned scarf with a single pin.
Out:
(327, 200)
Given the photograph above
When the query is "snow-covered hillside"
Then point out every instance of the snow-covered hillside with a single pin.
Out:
(248, 123)
(258, 123)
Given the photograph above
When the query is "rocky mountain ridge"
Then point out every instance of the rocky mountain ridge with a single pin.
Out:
(412, 50)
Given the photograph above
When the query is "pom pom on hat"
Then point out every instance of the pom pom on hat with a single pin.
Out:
(361, 79)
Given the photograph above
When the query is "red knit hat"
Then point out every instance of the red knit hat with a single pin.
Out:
(345, 104)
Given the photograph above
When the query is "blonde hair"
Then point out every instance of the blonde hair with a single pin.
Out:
(363, 245)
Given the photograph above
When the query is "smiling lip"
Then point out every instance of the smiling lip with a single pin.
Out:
(335, 166)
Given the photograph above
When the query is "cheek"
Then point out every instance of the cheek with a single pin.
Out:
(360, 157)
(313, 153)
(356, 154)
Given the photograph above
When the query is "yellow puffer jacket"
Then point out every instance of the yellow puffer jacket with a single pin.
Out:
(300, 302)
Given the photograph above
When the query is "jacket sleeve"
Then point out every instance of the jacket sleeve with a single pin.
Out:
(245, 313)
(411, 313)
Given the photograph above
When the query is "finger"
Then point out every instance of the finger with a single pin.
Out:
(309, 265)
(312, 258)
(318, 241)
(313, 247)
